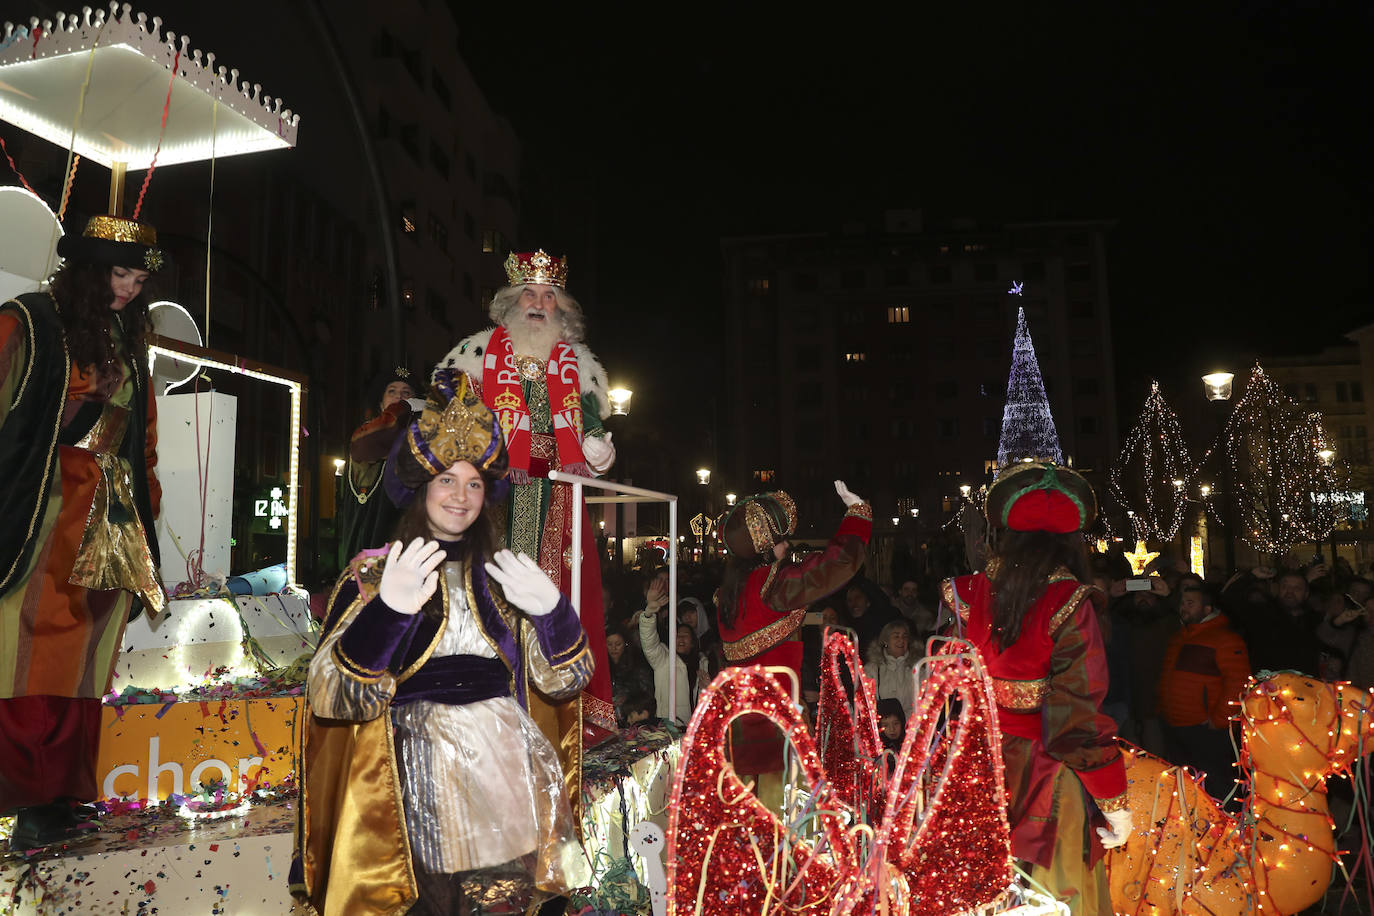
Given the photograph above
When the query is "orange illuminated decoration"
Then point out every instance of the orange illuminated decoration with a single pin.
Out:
(1192, 857)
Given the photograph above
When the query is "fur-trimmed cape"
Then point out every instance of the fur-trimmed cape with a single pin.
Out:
(467, 356)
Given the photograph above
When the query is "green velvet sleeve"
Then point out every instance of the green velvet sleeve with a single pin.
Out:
(591, 416)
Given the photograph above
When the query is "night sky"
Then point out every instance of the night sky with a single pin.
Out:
(1232, 146)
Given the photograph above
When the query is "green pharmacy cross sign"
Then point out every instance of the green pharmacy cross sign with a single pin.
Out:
(272, 509)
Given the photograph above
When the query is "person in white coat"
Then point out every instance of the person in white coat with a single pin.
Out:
(660, 657)
(890, 660)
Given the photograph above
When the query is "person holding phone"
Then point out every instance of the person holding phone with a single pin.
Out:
(1349, 633)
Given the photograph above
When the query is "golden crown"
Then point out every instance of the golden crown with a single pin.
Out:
(118, 229)
(537, 267)
(507, 400)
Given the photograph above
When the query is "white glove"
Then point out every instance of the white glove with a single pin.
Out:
(416, 404)
(599, 452)
(411, 575)
(848, 498)
(525, 584)
(1119, 831)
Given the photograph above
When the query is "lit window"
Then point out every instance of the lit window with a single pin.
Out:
(763, 476)
(898, 314)
(758, 285)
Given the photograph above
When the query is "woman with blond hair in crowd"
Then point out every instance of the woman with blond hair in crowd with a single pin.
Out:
(890, 660)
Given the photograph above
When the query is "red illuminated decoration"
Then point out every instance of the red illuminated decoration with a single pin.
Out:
(943, 844)
(1189, 856)
(727, 853)
(851, 753)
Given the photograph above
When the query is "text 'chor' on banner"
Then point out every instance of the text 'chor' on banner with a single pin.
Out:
(153, 752)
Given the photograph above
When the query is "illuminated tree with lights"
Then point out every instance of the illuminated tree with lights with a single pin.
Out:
(1027, 426)
(1284, 478)
(1149, 479)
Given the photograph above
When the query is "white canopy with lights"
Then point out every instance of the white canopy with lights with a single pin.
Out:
(125, 64)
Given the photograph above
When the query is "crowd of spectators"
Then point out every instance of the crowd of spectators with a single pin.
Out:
(638, 644)
(1179, 646)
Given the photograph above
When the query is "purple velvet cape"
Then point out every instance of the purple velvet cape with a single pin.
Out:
(380, 638)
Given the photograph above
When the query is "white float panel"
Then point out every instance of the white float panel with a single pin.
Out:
(197, 635)
(178, 454)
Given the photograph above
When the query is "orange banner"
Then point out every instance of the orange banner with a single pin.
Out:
(149, 751)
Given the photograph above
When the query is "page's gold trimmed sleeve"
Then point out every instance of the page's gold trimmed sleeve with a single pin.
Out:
(563, 680)
(1115, 803)
(860, 510)
(572, 653)
(336, 688)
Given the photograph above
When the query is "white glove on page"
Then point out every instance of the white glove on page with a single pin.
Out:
(1119, 829)
(525, 584)
(411, 575)
(599, 452)
(848, 498)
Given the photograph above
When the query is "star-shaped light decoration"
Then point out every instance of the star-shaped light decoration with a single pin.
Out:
(1016, 288)
(1140, 558)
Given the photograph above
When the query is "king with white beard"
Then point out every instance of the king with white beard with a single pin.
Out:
(549, 392)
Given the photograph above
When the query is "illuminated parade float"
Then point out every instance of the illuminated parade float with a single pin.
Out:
(202, 717)
(203, 726)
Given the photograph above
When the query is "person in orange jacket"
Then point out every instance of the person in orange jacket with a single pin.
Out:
(1205, 669)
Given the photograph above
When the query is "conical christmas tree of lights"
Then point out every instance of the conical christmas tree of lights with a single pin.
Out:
(1149, 479)
(1285, 486)
(1027, 426)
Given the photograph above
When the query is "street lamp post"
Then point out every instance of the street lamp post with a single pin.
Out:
(916, 537)
(620, 411)
(1217, 387)
(620, 401)
(704, 480)
(1326, 457)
